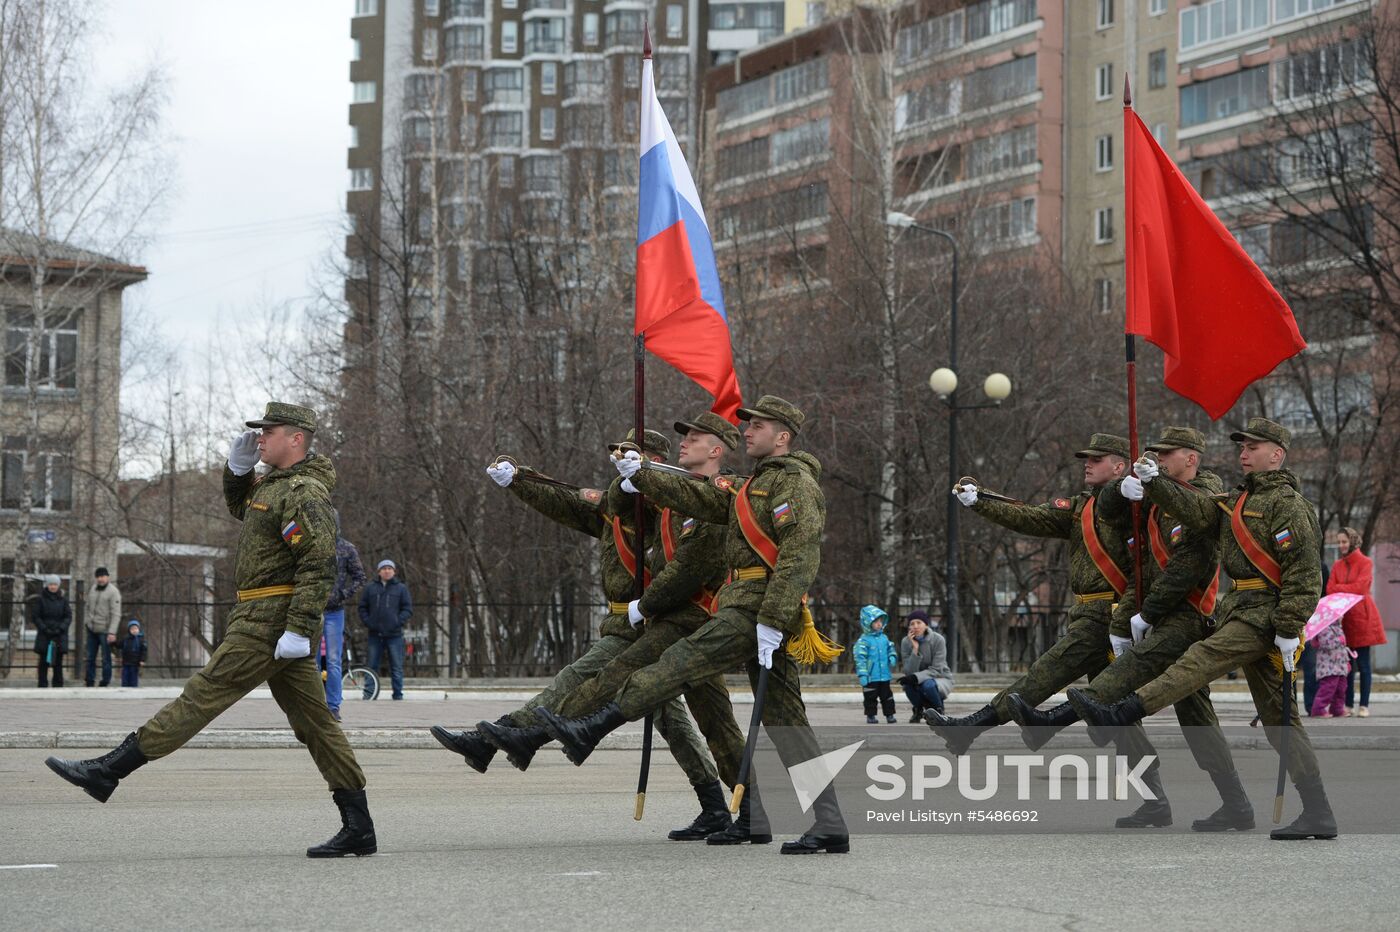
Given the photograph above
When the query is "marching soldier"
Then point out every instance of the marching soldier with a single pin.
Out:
(1098, 555)
(607, 516)
(285, 569)
(773, 548)
(1180, 574)
(678, 600)
(1269, 541)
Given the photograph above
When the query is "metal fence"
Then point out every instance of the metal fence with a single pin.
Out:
(489, 640)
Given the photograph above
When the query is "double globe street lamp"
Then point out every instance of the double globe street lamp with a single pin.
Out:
(944, 382)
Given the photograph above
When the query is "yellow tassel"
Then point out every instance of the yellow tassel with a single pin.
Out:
(811, 646)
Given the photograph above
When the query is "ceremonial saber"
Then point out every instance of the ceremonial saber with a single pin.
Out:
(983, 493)
(760, 693)
(527, 475)
(1283, 741)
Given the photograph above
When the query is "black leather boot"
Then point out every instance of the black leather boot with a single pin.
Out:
(1120, 714)
(959, 733)
(520, 744)
(356, 835)
(581, 735)
(713, 817)
(829, 834)
(1316, 820)
(472, 745)
(98, 776)
(741, 830)
(1235, 812)
(1153, 813)
(1038, 727)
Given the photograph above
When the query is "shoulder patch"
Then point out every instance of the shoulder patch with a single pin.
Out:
(1176, 539)
(292, 533)
(724, 483)
(783, 513)
(592, 496)
(1063, 504)
(1284, 539)
(687, 527)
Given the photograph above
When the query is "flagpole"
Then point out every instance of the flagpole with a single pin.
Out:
(640, 520)
(1130, 340)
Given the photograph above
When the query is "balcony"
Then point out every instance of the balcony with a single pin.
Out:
(539, 45)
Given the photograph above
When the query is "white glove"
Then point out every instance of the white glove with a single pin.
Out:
(1141, 628)
(1288, 647)
(967, 494)
(634, 614)
(291, 646)
(1145, 469)
(1121, 645)
(768, 641)
(1131, 489)
(628, 487)
(628, 463)
(243, 453)
(502, 473)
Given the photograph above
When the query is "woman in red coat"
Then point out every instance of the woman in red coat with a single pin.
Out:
(1362, 625)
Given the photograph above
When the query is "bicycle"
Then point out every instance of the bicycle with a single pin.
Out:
(360, 682)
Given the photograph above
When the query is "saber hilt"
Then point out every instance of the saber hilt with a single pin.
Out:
(529, 475)
(983, 493)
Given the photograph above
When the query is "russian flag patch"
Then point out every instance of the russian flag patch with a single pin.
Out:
(292, 533)
(1176, 534)
(1284, 539)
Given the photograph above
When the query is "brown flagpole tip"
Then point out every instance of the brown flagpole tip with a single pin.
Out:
(646, 40)
(1127, 92)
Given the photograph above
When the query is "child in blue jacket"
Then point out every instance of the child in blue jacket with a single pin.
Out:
(875, 657)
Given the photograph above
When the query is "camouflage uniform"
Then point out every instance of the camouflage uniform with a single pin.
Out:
(287, 542)
(591, 511)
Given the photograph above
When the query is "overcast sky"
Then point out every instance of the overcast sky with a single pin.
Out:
(259, 107)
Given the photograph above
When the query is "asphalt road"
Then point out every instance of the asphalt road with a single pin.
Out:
(214, 839)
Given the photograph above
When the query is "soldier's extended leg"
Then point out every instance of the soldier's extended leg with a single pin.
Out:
(1082, 651)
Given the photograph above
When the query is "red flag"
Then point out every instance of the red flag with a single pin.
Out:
(1192, 289)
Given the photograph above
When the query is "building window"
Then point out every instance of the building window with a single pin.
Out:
(1103, 225)
(929, 37)
(505, 172)
(1103, 153)
(354, 49)
(366, 7)
(505, 86)
(777, 89)
(469, 80)
(354, 137)
(1105, 14)
(510, 4)
(629, 118)
(816, 12)
(547, 123)
(430, 7)
(505, 130)
(364, 92)
(1103, 81)
(549, 78)
(56, 364)
(361, 179)
(51, 480)
(1222, 19)
(1288, 9)
(590, 29)
(1157, 69)
(1156, 7)
(509, 37)
(1005, 223)
(1323, 70)
(430, 44)
(1159, 133)
(1225, 96)
(1007, 151)
(1103, 295)
(675, 21)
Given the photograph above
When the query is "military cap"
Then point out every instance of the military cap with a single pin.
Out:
(655, 443)
(1105, 445)
(775, 409)
(1261, 428)
(279, 412)
(1176, 438)
(711, 423)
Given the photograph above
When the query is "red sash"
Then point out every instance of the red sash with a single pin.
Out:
(1203, 602)
(763, 545)
(706, 599)
(625, 552)
(1110, 570)
(1266, 565)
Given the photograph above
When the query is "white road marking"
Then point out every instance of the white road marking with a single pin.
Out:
(583, 874)
(27, 867)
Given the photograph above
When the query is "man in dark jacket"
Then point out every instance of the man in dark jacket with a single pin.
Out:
(385, 606)
(51, 616)
(349, 577)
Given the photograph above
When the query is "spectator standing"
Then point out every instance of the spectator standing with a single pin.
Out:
(875, 659)
(923, 655)
(133, 651)
(1333, 660)
(385, 605)
(349, 577)
(1362, 625)
(51, 616)
(102, 619)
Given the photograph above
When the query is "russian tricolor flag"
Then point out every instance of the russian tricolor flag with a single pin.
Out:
(679, 305)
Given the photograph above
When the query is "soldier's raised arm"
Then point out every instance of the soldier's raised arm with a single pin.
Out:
(705, 501)
(580, 510)
(1053, 519)
(239, 476)
(1196, 510)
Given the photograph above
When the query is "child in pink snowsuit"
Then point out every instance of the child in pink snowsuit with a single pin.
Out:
(1333, 662)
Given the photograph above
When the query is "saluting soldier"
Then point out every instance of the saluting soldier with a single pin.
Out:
(284, 571)
(1269, 542)
(1097, 577)
(608, 516)
(678, 600)
(774, 523)
(1181, 578)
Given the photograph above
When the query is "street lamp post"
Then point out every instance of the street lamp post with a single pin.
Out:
(944, 382)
